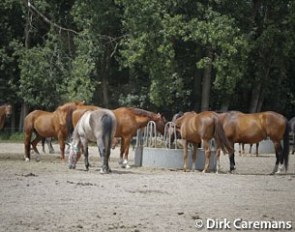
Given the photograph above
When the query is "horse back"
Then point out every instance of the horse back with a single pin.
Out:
(41, 122)
(126, 122)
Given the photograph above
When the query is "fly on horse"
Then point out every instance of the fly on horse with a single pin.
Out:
(130, 119)
(47, 124)
(5, 112)
(97, 126)
(201, 128)
(252, 128)
(292, 130)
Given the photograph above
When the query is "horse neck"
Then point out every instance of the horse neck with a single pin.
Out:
(75, 137)
(142, 121)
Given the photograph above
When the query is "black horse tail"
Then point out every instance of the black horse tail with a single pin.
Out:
(286, 146)
(108, 129)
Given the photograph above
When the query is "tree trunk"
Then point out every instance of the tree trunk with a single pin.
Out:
(206, 86)
(197, 93)
(104, 73)
(255, 95)
(23, 114)
(225, 104)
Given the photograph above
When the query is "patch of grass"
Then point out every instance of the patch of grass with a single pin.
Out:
(12, 137)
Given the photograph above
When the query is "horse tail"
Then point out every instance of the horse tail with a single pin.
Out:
(286, 145)
(220, 137)
(69, 122)
(28, 130)
(108, 129)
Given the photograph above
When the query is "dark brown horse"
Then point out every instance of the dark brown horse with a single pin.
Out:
(47, 124)
(201, 128)
(252, 128)
(292, 130)
(128, 121)
(5, 112)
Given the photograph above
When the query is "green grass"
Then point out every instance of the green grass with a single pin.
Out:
(11, 137)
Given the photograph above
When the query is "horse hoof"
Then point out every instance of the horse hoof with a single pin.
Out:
(127, 166)
(104, 171)
(27, 160)
(71, 167)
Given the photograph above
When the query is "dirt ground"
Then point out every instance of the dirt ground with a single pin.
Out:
(47, 196)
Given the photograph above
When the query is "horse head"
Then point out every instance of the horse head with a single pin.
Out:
(160, 121)
(8, 110)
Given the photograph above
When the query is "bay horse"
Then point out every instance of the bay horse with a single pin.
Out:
(97, 126)
(201, 128)
(252, 128)
(5, 112)
(129, 119)
(47, 124)
(292, 130)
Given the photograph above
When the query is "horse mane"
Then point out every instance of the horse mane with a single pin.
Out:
(70, 106)
(141, 112)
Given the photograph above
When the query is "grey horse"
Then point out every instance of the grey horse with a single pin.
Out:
(97, 126)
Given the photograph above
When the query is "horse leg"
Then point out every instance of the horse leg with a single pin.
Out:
(194, 156)
(34, 145)
(43, 145)
(121, 152)
(84, 144)
(279, 158)
(185, 155)
(104, 155)
(27, 146)
(207, 155)
(250, 148)
(50, 147)
(232, 161)
(257, 146)
(126, 152)
(218, 151)
(61, 142)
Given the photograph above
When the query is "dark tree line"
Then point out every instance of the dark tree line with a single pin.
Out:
(159, 55)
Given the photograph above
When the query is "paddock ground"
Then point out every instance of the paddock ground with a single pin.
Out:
(47, 196)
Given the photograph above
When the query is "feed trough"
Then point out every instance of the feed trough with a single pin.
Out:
(156, 151)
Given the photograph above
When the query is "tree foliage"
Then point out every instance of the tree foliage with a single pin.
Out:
(149, 53)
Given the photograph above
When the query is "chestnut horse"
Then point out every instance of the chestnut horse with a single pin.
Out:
(47, 124)
(252, 128)
(130, 119)
(201, 128)
(292, 130)
(5, 111)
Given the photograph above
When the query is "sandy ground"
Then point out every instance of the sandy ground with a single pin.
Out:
(47, 196)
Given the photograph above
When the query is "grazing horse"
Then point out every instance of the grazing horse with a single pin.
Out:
(292, 130)
(252, 128)
(130, 119)
(201, 128)
(98, 126)
(47, 124)
(5, 111)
